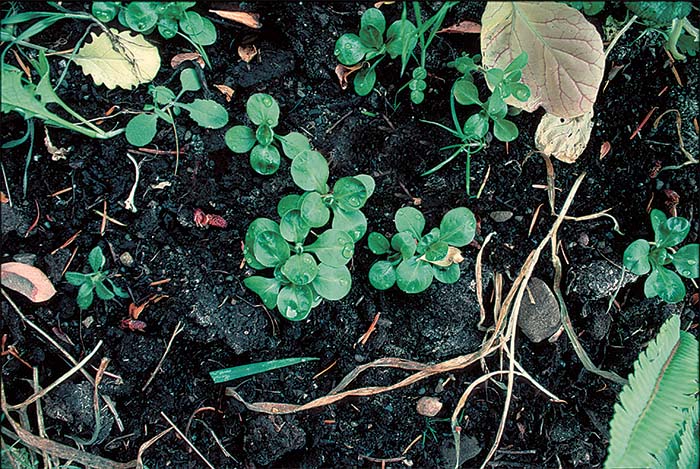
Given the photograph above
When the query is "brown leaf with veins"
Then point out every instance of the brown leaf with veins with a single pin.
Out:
(247, 53)
(252, 20)
(565, 53)
(463, 27)
(185, 56)
(227, 91)
(27, 280)
(565, 139)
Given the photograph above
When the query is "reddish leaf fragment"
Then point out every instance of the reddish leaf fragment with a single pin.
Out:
(252, 20)
(132, 325)
(202, 220)
(344, 72)
(227, 91)
(605, 149)
(463, 27)
(27, 280)
(180, 58)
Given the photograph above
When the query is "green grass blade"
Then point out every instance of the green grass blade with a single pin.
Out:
(228, 374)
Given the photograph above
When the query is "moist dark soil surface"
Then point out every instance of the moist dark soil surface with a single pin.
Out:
(159, 250)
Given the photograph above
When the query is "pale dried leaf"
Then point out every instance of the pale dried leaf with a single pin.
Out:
(227, 91)
(343, 72)
(565, 53)
(27, 280)
(119, 59)
(247, 53)
(56, 153)
(565, 139)
(463, 27)
(161, 185)
(185, 56)
(454, 256)
(605, 149)
(252, 20)
(379, 4)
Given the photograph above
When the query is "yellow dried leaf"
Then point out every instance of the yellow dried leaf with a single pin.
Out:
(565, 139)
(119, 59)
(454, 256)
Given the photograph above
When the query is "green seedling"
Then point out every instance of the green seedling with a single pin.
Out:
(589, 8)
(304, 274)
(169, 18)
(505, 84)
(243, 371)
(370, 46)
(681, 36)
(264, 111)
(207, 113)
(346, 199)
(94, 282)
(413, 259)
(642, 257)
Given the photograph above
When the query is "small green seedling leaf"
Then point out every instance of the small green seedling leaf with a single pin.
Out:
(229, 374)
(287, 203)
(266, 288)
(74, 278)
(310, 171)
(636, 257)
(332, 283)
(353, 223)
(368, 181)
(295, 302)
(446, 275)
(293, 227)
(102, 292)
(86, 295)
(404, 243)
(207, 113)
(105, 11)
(294, 143)
(458, 227)
(141, 129)
(382, 275)
(333, 247)
(466, 92)
(349, 49)
(364, 81)
(665, 284)
(189, 80)
(300, 269)
(686, 261)
(265, 159)
(240, 139)
(413, 275)
(436, 251)
(264, 135)
(141, 16)
(410, 219)
(378, 243)
(401, 33)
(673, 232)
(349, 193)
(271, 249)
(313, 210)
(263, 109)
(258, 226)
(96, 259)
(372, 26)
(477, 125)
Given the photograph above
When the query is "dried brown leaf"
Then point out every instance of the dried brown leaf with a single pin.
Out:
(252, 20)
(227, 91)
(4, 198)
(185, 56)
(247, 53)
(605, 149)
(463, 27)
(343, 72)
(27, 280)
(56, 153)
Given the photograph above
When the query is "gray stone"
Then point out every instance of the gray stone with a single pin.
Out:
(269, 437)
(539, 311)
(598, 279)
(499, 216)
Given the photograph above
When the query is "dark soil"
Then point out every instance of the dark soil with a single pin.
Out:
(224, 325)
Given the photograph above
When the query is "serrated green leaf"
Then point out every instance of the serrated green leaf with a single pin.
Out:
(96, 259)
(86, 295)
(76, 278)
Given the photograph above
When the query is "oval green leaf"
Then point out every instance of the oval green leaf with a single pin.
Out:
(313, 211)
(332, 283)
(294, 302)
(333, 247)
(293, 228)
(382, 275)
(636, 257)
(458, 227)
(240, 139)
(294, 143)
(410, 219)
(686, 261)
(265, 159)
(287, 203)
(405, 243)
(141, 129)
(349, 49)
(300, 269)
(350, 194)
(270, 249)
(310, 171)
(266, 288)
(353, 223)
(446, 275)
(377, 243)
(254, 229)
(414, 276)
(364, 81)
(263, 109)
(666, 284)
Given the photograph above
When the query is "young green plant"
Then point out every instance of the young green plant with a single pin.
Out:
(472, 134)
(413, 259)
(681, 36)
(207, 113)
(169, 18)
(643, 257)
(264, 112)
(94, 282)
(346, 199)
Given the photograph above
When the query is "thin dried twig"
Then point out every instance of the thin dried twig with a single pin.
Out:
(178, 328)
(189, 443)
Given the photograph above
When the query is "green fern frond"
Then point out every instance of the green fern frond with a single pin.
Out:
(653, 405)
(689, 457)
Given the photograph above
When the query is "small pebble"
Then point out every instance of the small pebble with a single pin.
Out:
(25, 258)
(428, 406)
(499, 216)
(126, 259)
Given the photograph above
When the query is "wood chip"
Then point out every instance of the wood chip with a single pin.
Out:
(605, 149)
(227, 91)
(184, 57)
(252, 20)
(247, 53)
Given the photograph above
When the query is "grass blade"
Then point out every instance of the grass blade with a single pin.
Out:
(228, 374)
